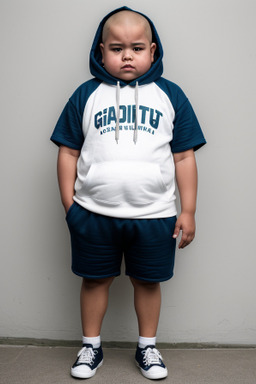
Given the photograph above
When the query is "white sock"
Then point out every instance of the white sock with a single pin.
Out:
(95, 341)
(144, 341)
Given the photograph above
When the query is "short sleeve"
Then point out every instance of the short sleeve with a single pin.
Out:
(187, 133)
(68, 130)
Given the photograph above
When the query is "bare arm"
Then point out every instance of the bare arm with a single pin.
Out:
(66, 167)
(186, 177)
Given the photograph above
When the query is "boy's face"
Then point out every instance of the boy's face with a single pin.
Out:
(127, 52)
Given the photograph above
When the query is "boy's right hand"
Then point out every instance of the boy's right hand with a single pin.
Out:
(68, 205)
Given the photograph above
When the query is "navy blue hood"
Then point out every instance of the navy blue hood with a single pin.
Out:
(100, 73)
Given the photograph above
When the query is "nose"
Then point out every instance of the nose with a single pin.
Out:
(127, 55)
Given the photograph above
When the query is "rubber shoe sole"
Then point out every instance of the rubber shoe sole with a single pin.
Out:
(80, 374)
(160, 374)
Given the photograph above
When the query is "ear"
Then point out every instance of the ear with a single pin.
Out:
(152, 51)
(102, 52)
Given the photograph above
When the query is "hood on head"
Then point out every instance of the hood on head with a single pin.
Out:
(100, 73)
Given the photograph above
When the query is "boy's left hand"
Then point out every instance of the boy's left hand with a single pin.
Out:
(186, 224)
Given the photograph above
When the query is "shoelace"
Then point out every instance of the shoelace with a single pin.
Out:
(152, 356)
(86, 355)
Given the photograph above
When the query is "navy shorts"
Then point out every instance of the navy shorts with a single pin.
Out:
(99, 243)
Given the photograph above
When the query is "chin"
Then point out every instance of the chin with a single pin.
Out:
(128, 77)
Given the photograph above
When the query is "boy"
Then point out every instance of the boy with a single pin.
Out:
(122, 137)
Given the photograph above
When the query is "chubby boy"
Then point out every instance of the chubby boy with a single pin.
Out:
(123, 136)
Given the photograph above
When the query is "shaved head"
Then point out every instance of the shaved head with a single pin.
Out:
(127, 18)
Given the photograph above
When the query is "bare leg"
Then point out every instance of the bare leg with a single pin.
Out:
(147, 302)
(94, 302)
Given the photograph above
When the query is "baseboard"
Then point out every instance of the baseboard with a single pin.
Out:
(18, 341)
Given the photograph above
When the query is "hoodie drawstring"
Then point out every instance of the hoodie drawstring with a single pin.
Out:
(117, 111)
(135, 133)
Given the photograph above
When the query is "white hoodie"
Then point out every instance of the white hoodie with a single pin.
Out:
(127, 134)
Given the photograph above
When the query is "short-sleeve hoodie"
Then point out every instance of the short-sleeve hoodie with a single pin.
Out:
(132, 177)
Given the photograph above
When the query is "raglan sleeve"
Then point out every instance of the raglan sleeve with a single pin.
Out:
(187, 133)
(68, 130)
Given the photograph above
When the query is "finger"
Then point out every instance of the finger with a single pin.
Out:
(185, 240)
(176, 231)
(182, 240)
(183, 244)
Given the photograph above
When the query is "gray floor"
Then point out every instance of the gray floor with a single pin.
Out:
(41, 365)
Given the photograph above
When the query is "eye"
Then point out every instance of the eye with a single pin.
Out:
(117, 49)
(137, 49)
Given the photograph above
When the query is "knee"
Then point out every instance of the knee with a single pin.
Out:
(97, 283)
(149, 285)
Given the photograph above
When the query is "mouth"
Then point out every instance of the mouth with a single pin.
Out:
(128, 67)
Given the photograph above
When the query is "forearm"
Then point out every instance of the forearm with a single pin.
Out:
(186, 177)
(66, 168)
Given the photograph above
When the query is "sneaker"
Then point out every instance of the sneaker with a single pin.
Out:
(88, 360)
(150, 362)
